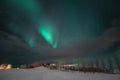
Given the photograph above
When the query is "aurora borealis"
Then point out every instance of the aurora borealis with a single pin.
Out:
(41, 29)
(48, 32)
(31, 13)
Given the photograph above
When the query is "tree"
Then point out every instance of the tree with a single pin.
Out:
(84, 67)
(103, 65)
(117, 61)
(97, 65)
(110, 65)
(92, 66)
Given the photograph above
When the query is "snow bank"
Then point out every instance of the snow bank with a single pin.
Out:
(46, 74)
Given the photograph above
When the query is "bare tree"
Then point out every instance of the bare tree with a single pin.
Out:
(92, 67)
(103, 65)
(110, 65)
(84, 67)
(117, 61)
(97, 65)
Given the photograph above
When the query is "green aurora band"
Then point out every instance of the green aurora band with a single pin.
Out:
(33, 13)
(76, 20)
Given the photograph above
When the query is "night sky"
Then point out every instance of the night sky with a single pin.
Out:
(32, 30)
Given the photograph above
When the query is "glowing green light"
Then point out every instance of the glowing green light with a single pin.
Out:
(30, 5)
(76, 60)
(45, 33)
(46, 29)
(31, 42)
(55, 45)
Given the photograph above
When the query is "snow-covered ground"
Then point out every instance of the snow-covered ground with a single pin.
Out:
(46, 74)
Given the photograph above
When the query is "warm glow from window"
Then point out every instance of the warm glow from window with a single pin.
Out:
(5, 66)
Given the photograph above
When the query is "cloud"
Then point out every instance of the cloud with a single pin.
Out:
(91, 45)
(13, 48)
(17, 50)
